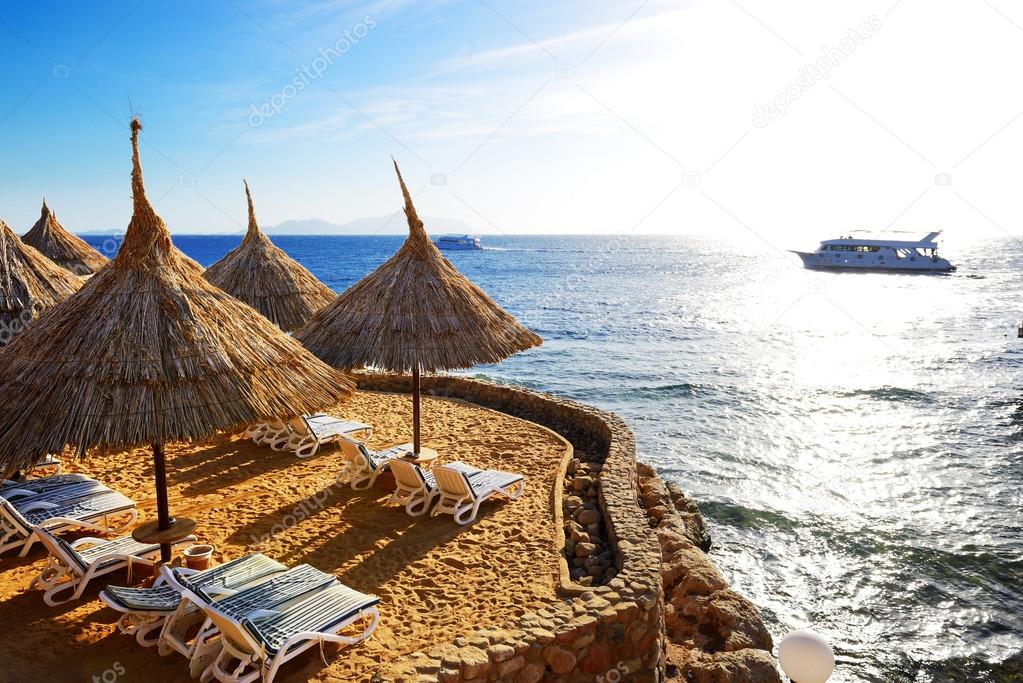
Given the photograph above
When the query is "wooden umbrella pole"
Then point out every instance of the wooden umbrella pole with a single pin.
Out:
(162, 506)
(415, 409)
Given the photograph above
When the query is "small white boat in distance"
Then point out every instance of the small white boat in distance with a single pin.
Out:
(457, 242)
(849, 253)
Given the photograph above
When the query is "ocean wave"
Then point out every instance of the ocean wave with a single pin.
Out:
(682, 390)
(741, 516)
(972, 669)
(887, 393)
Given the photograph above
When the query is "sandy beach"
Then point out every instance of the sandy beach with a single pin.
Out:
(436, 580)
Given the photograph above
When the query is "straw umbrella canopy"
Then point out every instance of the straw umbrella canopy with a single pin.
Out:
(266, 278)
(414, 313)
(148, 352)
(29, 284)
(66, 250)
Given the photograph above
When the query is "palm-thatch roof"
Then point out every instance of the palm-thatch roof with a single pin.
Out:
(29, 284)
(416, 311)
(66, 250)
(149, 352)
(266, 278)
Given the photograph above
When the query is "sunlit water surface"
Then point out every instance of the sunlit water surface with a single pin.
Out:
(855, 440)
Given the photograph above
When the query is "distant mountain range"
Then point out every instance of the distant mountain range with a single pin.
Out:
(382, 225)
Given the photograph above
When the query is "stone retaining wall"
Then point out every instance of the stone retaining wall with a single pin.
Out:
(613, 632)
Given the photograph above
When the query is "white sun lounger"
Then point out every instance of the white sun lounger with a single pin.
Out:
(17, 524)
(201, 649)
(57, 495)
(270, 434)
(461, 495)
(144, 610)
(363, 466)
(72, 566)
(42, 484)
(417, 488)
(254, 430)
(309, 432)
(255, 646)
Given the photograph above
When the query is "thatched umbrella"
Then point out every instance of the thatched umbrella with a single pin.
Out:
(266, 278)
(415, 312)
(29, 284)
(149, 352)
(66, 250)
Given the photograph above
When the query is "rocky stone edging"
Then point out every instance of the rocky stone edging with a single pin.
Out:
(589, 555)
(713, 634)
(615, 628)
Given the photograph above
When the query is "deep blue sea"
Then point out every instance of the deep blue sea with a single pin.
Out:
(854, 440)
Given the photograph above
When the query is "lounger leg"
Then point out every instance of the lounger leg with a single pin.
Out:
(9, 532)
(374, 620)
(373, 476)
(219, 667)
(29, 542)
(79, 588)
(10, 546)
(424, 501)
(175, 629)
(79, 583)
(147, 632)
(204, 649)
(361, 472)
(54, 581)
(516, 490)
(307, 450)
(473, 509)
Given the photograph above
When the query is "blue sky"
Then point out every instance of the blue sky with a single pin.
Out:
(519, 116)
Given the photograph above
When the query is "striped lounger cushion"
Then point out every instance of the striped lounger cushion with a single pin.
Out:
(83, 509)
(238, 572)
(322, 612)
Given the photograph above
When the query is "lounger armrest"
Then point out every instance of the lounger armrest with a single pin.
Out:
(88, 540)
(170, 575)
(58, 521)
(111, 557)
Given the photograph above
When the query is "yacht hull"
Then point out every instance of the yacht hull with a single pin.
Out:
(873, 262)
(455, 246)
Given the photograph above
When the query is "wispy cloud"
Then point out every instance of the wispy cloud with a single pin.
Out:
(457, 99)
(568, 47)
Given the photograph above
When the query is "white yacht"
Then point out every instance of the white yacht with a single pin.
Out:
(851, 253)
(458, 242)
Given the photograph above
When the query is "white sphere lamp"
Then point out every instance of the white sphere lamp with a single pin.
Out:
(806, 657)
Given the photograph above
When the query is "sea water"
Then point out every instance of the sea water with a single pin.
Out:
(855, 440)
